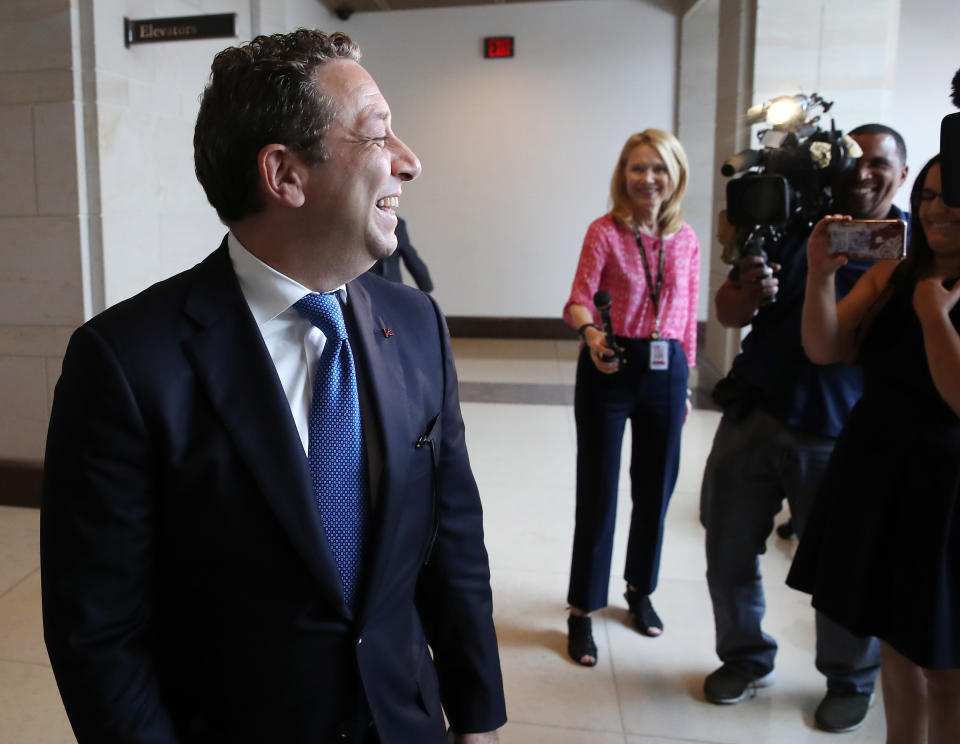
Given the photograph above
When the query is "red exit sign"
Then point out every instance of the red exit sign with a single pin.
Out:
(498, 46)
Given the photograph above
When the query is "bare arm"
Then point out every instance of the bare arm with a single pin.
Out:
(829, 328)
(738, 300)
(932, 303)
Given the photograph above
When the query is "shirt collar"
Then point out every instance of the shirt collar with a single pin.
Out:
(268, 292)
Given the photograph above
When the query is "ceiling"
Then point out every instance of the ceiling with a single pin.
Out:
(346, 8)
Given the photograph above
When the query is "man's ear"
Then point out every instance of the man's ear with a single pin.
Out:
(281, 175)
(903, 175)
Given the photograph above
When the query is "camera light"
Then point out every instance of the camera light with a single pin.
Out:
(784, 110)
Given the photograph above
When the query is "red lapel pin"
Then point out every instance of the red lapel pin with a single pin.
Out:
(387, 333)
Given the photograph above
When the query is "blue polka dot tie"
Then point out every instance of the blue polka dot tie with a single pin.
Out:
(335, 451)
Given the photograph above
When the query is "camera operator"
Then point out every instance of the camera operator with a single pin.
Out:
(781, 417)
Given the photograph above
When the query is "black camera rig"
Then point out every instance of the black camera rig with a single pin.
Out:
(785, 185)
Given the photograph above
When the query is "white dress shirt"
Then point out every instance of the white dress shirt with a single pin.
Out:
(293, 342)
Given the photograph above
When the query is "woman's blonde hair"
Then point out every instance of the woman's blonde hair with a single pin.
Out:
(671, 152)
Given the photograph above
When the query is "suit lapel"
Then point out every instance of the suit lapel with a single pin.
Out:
(235, 368)
(379, 343)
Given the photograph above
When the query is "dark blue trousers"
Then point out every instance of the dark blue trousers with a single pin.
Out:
(655, 403)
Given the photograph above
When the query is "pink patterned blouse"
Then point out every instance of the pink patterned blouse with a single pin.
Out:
(610, 260)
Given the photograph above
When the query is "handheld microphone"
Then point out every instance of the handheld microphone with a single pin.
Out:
(603, 302)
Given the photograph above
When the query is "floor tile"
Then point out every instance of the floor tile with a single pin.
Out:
(530, 529)
(521, 733)
(19, 544)
(21, 625)
(543, 685)
(512, 446)
(660, 681)
(30, 708)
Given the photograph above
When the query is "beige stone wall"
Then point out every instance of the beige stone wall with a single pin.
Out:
(41, 272)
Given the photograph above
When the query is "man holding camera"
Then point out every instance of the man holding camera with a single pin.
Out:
(781, 417)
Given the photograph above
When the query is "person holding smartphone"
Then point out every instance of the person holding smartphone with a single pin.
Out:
(881, 550)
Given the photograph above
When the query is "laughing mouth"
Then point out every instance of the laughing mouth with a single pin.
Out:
(863, 188)
(388, 202)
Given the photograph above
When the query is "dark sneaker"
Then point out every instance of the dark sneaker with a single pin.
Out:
(727, 685)
(842, 711)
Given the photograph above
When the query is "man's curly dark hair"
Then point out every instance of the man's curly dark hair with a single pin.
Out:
(261, 93)
(956, 90)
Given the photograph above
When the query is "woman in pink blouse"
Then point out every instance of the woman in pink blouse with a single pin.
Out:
(648, 259)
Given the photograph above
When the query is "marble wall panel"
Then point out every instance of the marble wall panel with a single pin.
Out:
(138, 62)
(23, 407)
(131, 260)
(53, 367)
(171, 154)
(186, 238)
(35, 35)
(55, 138)
(126, 157)
(155, 98)
(32, 340)
(40, 272)
(842, 50)
(36, 86)
(113, 89)
(18, 188)
(697, 128)
(28, 376)
(22, 440)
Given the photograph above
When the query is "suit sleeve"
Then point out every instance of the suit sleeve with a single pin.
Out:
(97, 552)
(454, 596)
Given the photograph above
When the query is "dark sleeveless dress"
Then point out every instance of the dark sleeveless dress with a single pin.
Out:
(881, 554)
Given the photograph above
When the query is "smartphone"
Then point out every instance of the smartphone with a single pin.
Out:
(871, 239)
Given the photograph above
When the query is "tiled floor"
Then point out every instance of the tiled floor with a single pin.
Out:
(643, 691)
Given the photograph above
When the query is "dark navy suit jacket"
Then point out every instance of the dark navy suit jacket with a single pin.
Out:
(189, 594)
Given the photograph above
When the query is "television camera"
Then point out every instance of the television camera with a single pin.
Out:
(785, 185)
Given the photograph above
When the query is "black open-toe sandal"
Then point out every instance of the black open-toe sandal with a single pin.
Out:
(645, 618)
(580, 639)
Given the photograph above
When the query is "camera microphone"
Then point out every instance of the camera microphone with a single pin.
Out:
(603, 301)
(741, 161)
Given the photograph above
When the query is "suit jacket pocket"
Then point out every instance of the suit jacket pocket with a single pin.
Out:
(431, 439)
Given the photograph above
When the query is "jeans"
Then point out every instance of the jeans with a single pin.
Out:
(754, 464)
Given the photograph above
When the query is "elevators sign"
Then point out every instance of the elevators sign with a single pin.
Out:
(181, 28)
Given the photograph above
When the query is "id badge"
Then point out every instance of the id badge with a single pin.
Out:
(659, 355)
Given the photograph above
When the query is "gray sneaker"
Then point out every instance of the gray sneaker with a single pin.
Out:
(727, 685)
(842, 711)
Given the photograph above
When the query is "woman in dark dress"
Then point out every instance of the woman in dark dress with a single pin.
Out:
(881, 554)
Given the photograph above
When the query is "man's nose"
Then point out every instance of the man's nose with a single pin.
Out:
(406, 165)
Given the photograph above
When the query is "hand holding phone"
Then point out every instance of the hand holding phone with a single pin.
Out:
(868, 239)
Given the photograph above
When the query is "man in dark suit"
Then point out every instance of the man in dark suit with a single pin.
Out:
(219, 564)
